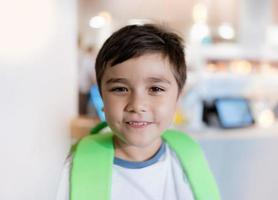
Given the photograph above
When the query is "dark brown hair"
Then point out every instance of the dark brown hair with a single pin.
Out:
(134, 41)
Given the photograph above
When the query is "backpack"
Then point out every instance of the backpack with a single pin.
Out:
(91, 171)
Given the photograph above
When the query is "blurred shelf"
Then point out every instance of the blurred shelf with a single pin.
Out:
(81, 126)
(234, 51)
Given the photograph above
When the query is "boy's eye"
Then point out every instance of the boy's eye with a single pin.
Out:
(119, 89)
(156, 89)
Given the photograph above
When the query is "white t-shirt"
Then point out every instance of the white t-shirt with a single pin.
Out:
(160, 178)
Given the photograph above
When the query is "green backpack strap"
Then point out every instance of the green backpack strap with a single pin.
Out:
(98, 127)
(194, 164)
(91, 171)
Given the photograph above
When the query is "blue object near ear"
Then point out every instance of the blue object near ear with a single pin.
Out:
(97, 102)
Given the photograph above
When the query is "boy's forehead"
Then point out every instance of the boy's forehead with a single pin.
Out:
(146, 58)
(146, 63)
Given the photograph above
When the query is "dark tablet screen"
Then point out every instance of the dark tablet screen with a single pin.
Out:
(233, 112)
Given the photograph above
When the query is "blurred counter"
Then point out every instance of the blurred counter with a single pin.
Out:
(251, 132)
(244, 161)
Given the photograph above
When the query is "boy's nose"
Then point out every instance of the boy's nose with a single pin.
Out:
(136, 103)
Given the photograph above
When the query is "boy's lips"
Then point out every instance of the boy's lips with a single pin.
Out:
(138, 124)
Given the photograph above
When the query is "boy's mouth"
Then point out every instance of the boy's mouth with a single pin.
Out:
(138, 124)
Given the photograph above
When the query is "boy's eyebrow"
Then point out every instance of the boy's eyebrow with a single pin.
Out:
(116, 80)
(158, 80)
(150, 79)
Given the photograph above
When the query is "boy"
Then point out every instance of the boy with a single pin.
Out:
(141, 72)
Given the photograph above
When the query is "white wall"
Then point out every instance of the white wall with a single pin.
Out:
(38, 95)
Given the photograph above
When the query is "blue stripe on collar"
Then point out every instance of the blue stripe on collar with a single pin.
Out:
(138, 165)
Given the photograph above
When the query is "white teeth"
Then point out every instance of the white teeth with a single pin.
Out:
(138, 123)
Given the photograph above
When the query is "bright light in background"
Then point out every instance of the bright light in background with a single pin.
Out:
(266, 118)
(106, 16)
(25, 29)
(271, 35)
(199, 31)
(102, 25)
(101, 20)
(138, 21)
(97, 22)
(226, 31)
(241, 67)
(200, 13)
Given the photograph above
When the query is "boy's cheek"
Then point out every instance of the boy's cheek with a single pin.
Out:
(166, 113)
(168, 107)
(112, 112)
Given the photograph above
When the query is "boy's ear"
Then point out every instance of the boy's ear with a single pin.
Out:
(179, 99)
(178, 103)
(180, 94)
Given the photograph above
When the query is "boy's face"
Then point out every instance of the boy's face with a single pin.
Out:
(140, 97)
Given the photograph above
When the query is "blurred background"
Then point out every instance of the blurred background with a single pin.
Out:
(49, 98)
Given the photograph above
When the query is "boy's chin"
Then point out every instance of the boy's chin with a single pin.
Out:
(142, 143)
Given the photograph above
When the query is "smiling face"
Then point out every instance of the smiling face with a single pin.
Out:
(140, 97)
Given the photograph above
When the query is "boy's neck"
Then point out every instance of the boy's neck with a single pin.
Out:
(134, 153)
